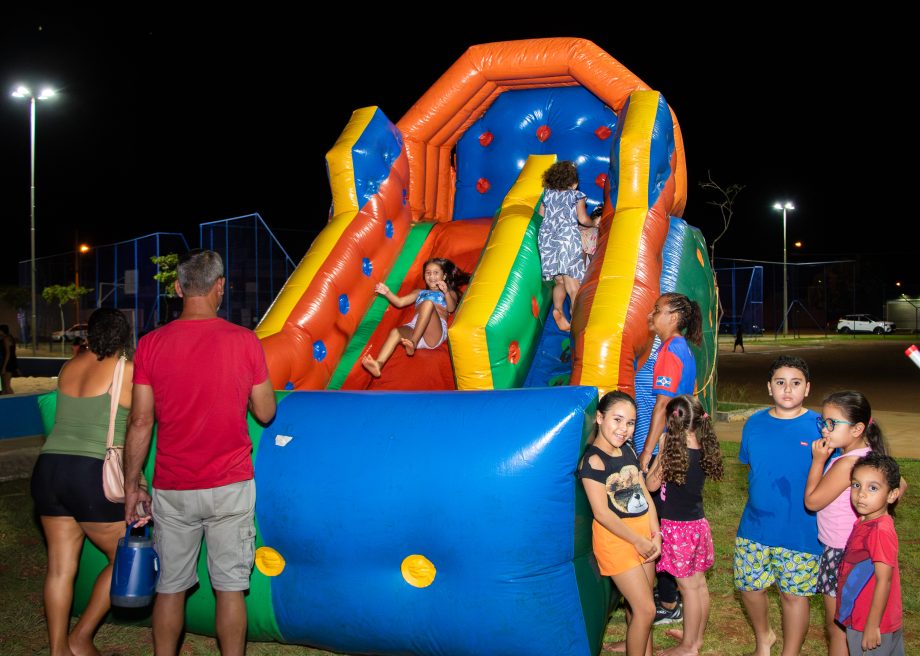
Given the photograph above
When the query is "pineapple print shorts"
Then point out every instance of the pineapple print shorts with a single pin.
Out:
(758, 566)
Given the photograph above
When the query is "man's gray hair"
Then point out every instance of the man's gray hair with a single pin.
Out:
(198, 270)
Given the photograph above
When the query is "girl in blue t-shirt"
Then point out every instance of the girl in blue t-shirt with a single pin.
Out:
(428, 328)
(688, 453)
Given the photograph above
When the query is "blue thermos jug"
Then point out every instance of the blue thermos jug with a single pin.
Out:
(136, 570)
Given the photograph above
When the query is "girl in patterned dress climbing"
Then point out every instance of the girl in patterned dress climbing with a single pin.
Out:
(559, 241)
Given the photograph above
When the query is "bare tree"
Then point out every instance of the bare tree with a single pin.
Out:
(725, 201)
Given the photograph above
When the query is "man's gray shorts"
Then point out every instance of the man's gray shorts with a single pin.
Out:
(225, 516)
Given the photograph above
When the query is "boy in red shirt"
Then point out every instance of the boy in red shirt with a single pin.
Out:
(869, 581)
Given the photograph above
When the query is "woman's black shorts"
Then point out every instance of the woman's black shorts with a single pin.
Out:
(71, 486)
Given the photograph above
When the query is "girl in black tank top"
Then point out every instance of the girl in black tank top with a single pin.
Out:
(688, 453)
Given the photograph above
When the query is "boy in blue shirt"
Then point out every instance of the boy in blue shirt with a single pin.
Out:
(777, 540)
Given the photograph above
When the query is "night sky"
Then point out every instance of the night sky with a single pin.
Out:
(166, 120)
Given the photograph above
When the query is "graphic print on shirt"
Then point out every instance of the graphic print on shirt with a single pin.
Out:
(663, 382)
(624, 491)
(859, 577)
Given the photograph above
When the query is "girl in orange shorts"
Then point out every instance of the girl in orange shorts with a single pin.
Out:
(626, 535)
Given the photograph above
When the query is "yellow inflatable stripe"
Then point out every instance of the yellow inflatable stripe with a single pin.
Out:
(468, 332)
(341, 166)
(604, 329)
(345, 208)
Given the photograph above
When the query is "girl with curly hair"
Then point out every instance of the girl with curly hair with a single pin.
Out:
(67, 479)
(559, 240)
(688, 453)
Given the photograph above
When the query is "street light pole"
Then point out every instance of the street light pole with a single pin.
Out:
(24, 92)
(785, 206)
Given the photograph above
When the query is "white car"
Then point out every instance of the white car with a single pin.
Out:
(864, 323)
(76, 330)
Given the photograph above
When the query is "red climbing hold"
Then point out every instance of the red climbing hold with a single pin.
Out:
(601, 180)
(486, 138)
(543, 132)
(602, 133)
(483, 185)
(535, 307)
(514, 353)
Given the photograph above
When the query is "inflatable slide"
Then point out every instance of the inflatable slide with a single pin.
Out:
(434, 510)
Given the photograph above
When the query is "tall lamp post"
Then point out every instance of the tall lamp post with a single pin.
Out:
(784, 207)
(79, 249)
(46, 93)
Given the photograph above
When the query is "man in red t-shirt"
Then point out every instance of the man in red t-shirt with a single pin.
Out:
(197, 376)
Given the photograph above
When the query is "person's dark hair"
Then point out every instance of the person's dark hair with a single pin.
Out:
(560, 176)
(4, 328)
(612, 398)
(887, 465)
(685, 413)
(453, 276)
(690, 317)
(855, 407)
(198, 270)
(597, 212)
(793, 363)
(108, 333)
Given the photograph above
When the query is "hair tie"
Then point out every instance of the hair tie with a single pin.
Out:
(675, 413)
(705, 415)
(871, 421)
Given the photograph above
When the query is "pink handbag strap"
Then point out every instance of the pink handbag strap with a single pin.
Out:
(115, 393)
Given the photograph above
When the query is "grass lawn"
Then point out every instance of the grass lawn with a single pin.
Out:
(22, 566)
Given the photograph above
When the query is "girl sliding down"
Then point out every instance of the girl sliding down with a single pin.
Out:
(428, 328)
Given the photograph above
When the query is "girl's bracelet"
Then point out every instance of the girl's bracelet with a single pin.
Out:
(654, 535)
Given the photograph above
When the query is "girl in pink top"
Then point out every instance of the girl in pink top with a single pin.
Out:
(846, 424)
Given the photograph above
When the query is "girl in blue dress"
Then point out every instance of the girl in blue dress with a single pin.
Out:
(428, 328)
(559, 240)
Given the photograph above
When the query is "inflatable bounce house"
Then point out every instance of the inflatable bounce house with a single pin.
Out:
(435, 510)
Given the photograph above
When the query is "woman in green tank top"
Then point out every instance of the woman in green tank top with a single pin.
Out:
(67, 479)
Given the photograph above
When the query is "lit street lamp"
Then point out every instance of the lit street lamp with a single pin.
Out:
(24, 92)
(785, 206)
(80, 249)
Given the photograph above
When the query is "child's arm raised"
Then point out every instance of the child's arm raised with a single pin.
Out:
(396, 301)
(821, 488)
(450, 296)
(581, 212)
(872, 636)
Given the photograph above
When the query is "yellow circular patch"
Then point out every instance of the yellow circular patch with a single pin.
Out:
(269, 561)
(418, 571)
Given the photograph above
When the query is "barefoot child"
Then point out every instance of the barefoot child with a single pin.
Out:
(428, 328)
(846, 424)
(869, 592)
(688, 452)
(626, 535)
(777, 539)
(561, 255)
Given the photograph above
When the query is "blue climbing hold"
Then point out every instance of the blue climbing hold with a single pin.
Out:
(319, 351)
(367, 267)
(343, 304)
(388, 230)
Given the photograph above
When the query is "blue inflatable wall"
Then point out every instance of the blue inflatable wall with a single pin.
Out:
(474, 491)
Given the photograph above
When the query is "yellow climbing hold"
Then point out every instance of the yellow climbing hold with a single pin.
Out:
(699, 257)
(269, 561)
(418, 571)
